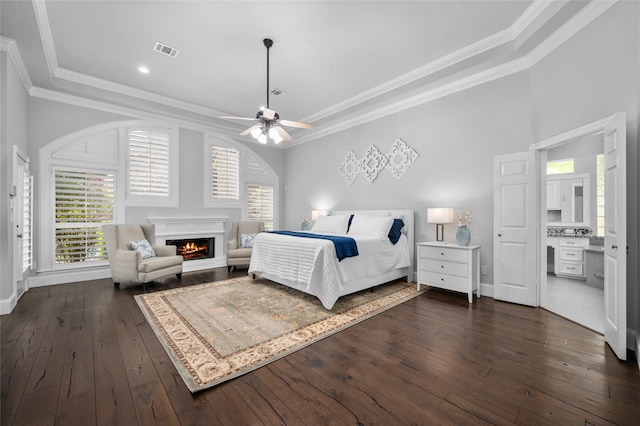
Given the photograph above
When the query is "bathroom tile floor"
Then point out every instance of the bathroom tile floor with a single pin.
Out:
(576, 301)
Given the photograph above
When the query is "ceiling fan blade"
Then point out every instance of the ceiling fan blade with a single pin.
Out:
(268, 113)
(298, 124)
(283, 134)
(246, 132)
(226, 117)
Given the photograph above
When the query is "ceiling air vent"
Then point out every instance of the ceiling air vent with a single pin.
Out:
(167, 50)
(277, 92)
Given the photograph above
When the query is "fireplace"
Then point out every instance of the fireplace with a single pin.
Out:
(194, 228)
(194, 248)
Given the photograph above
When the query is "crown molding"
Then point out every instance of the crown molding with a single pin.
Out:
(570, 28)
(573, 26)
(493, 41)
(110, 86)
(132, 113)
(590, 12)
(42, 18)
(10, 46)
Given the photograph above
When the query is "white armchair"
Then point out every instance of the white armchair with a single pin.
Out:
(128, 266)
(236, 254)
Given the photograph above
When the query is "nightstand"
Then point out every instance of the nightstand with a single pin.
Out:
(449, 266)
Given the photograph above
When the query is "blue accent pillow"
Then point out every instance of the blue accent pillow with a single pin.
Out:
(246, 240)
(144, 247)
(396, 230)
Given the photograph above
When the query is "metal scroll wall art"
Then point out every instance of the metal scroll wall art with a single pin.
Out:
(398, 160)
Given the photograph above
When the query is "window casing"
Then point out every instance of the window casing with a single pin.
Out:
(152, 166)
(84, 201)
(224, 174)
(261, 204)
(238, 178)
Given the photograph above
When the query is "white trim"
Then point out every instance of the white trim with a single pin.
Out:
(10, 46)
(486, 289)
(69, 276)
(7, 305)
(526, 20)
(633, 340)
(42, 18)
(110, 86)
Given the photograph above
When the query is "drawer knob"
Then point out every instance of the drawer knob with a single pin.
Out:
(442, 279)
(614, 247)
(442, 266)
(442, 253)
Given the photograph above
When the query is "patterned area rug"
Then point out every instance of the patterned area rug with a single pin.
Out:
(217, 331)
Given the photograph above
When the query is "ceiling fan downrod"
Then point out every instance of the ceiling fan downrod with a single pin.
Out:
(268, 43)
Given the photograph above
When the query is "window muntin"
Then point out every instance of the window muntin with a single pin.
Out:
(225, 173)
(26, 220)
(84, 201)
(260, 204)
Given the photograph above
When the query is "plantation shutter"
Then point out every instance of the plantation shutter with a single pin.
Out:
(225, 173)
(26, 183)
(84, 201)
(149, 171)
(260, 204)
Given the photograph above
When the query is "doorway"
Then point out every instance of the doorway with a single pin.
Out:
(573, 174)
(613, 129)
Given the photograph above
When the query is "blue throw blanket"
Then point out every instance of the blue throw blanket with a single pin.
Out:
(345, 246)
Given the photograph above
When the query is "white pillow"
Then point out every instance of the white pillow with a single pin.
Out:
(331, 224)
(372, 226)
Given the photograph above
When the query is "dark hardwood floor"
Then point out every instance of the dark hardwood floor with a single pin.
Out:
(82, 354)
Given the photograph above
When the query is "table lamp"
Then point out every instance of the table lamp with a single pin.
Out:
(440, 216)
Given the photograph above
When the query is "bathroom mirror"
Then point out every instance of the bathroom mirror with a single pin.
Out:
(568, 200)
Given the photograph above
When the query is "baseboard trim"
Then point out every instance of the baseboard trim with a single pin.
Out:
(62, 277)
(633, 343)
(486, 290)
(7, 305)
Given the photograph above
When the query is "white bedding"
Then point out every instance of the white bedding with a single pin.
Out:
(311, 265)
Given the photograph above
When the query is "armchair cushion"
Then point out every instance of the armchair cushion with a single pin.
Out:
(156, 263)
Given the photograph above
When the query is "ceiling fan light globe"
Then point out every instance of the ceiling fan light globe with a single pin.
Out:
(273, 133)
(262, 138)
(256, 133)
(277, 138)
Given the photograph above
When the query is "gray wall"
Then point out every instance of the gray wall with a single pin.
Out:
(593, 75)
(50, 120)
(13, 131)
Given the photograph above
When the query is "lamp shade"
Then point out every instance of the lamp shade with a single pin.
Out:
(316, 213)
(440, 215)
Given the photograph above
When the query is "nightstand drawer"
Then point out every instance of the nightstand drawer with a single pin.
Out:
(450, 282)
(444, 267)
(444, 253)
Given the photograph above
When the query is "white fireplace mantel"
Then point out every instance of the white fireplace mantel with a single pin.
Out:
(194, 227)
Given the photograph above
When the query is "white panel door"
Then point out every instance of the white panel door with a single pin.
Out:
(615, 239)
(22, 213)
(515, 228)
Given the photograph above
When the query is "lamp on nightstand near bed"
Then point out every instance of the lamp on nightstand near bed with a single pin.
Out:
(440, 216)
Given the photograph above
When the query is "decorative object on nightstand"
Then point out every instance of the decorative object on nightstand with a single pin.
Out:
(305, 223)
(449, 266)
(463, 236)
(440, 216)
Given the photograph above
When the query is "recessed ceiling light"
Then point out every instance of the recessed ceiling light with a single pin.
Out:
(143, 69)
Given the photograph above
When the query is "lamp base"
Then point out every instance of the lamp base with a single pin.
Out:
(438, 242)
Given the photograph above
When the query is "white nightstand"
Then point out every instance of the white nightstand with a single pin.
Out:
(449, 266)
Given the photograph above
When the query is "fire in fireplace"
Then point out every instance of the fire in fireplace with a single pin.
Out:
(194, 248)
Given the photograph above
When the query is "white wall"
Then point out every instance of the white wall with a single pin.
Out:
(13, 131)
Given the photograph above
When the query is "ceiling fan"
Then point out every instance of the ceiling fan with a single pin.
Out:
(269, 124)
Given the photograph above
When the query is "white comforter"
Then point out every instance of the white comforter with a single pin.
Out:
(311, 265)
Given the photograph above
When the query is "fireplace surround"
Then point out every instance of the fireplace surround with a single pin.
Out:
(194, 228)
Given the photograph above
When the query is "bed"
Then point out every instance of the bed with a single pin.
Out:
(311, 265)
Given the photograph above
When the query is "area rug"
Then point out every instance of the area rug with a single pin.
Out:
(217, 331)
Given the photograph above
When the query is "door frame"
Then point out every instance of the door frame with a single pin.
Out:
(589, 129)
